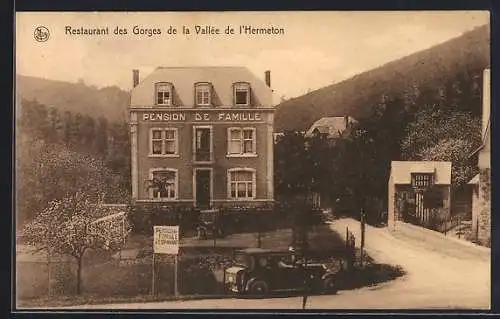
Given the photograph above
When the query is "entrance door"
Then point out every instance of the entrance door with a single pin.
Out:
(203, 179)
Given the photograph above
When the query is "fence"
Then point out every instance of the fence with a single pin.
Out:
(200, 267)
(121, 278)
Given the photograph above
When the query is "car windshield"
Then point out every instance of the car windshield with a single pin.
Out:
(243, 260)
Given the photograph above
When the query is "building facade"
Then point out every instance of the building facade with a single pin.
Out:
(481, 199)
(419, 193)
(202, 137)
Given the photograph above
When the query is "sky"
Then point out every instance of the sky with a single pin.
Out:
(315, 50)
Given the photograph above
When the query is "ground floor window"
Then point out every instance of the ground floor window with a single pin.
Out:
(241, 183)
(163, 183)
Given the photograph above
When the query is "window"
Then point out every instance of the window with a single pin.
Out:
(163, 94)
(241, 141)
(202, 92)
(163, 141)
(241, 183)
(202, 143)
(163, 183)
(422, 179)
(241, 94)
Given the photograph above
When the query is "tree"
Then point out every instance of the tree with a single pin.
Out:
(456, 151)
(49, 171)
(319, 157)
(449, 136)
(101, 137)
(290, 160)
(66, 226)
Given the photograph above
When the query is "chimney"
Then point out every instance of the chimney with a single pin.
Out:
(135, 77)
(268, 78)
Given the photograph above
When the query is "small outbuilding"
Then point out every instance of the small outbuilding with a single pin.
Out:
(419, 193)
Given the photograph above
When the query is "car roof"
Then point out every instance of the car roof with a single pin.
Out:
(262, 251)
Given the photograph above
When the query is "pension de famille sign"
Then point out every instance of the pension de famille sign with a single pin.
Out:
(166, 240)
(202, 116)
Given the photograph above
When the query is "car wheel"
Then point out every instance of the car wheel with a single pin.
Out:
(259, 287)
(330, 285)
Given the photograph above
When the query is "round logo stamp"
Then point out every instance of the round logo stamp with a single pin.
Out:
(41, 34)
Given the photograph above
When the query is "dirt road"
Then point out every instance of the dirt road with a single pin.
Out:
(440, 273)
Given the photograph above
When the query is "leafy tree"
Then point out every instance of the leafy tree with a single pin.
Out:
(457, 151)
(56, 125)
(88, 133)
(48, 171)
(319, 159)
(444, 135)
(290, 161)
(66, 226)
(101, 137)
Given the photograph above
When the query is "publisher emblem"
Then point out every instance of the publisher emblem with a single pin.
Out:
(41, 34)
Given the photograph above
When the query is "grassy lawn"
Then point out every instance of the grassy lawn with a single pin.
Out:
(200, 270)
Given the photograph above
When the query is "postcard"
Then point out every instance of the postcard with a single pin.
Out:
(252, 161)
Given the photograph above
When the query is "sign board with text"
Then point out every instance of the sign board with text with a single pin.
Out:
(166, 240)
(221, 116)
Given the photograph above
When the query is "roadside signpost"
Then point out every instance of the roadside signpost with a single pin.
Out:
(166, 241)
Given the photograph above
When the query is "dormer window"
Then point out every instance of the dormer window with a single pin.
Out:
(203, 94)
(241, 94)
(164, 94)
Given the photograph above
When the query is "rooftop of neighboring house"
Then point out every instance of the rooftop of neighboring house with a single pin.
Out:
(332, 126)
(220, 78)
(401, 171)
(474, 180)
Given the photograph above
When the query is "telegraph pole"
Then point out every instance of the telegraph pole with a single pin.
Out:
(362, 245)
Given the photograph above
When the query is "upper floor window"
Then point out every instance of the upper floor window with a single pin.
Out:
(241, 94)
(164, 94)
(203, 94)
(241, 141)
(163, 142)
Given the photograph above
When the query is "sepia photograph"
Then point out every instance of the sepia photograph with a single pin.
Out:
(252, 161)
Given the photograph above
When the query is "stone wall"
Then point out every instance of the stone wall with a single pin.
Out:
(484, 205)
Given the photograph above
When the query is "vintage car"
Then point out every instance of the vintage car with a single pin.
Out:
(257, 271)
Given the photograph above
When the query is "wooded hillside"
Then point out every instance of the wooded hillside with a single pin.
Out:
(356, 96)
(109, 102)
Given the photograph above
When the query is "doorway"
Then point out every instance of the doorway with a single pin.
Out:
(203, 187)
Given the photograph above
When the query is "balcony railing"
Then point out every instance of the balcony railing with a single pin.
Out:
(202, 155)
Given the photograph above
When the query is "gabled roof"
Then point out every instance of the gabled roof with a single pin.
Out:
(485, 138)
(401, 171)
(184, 79)
(333, 126)
(474, 180)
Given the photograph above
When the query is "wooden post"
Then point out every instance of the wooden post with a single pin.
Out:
(214, 235)
(153, 276)
(306, 283)
(48, 272)
(347, 235)
(477, 228)
(176, 276)
(362, 244)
